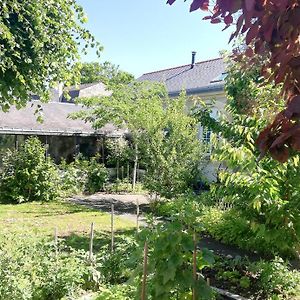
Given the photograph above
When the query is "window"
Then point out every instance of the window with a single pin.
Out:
(206, 133)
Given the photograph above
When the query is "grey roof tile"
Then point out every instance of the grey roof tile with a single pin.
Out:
(56, 121)
(204, 76)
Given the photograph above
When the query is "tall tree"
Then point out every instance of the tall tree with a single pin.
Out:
(39, 46)
(163, 135)
(272, 29)
(264, 192)
(106, 72)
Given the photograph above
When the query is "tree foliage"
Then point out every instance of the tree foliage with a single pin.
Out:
(163, 136)
(271, 29)
(39, 47)
(27, 175)
(106, 72)
(264, 192)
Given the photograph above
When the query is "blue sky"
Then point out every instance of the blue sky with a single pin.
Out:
(147, 35)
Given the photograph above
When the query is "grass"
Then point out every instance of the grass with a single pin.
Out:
(70, 219)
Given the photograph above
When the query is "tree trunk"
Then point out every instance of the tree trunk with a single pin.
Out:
(135, 166)
(117, 169)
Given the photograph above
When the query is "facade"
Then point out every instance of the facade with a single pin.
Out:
(203, 80)
(63, 136)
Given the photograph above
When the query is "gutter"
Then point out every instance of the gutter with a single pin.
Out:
(17, 131)
(195, 91)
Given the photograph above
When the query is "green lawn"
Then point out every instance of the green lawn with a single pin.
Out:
(42, 218)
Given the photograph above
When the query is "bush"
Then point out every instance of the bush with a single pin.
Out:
(31, 269)
(83, 176)
(276, 280)
(27, 175)
(231, 227)
(73, 177)
(97, 175)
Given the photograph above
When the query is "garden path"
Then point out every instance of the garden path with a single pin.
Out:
(125, 207)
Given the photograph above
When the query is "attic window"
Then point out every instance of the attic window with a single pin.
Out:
(219, 78)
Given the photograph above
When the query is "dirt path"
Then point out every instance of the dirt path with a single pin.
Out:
(125, 205)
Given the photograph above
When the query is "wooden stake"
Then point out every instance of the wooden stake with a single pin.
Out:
(194, 265)
(143, 296)
(91, 242)
(112, 227)
(208, 281)
(137, 215)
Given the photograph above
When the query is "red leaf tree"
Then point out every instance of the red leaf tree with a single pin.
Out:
(272, 29)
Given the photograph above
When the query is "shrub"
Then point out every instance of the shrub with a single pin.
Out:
(97, 175)
(27, 175)
(32, 269)
(73, 176)
(231, 227)
(83, 176)
(117, 292)
(276, 280)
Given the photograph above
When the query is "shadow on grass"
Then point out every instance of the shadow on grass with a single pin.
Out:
(120, 207)
(100, 240)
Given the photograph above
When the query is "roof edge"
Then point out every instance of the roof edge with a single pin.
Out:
(216, 88)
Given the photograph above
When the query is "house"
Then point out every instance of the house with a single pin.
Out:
(63, 136)
(204, 79)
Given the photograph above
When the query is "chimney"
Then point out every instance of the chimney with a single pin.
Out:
(193, 59)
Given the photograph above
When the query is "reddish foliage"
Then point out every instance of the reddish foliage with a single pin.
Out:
(273, 27)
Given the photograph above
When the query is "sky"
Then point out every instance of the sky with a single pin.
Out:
(147, 35)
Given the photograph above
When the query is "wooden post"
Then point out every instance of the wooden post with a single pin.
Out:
(122, 172)
(208, 281)
(103, 158)
(77, 145)
(137, 215)
(143, 295)
(194, 265)
(16, 142)
(112, 227)
(91, 242)
(46, 146)
(135, 166)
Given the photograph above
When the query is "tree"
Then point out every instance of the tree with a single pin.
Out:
(163, 136)
(39, 47)
(106, 72)
(271, 29)
(264, 192)
(27, 175)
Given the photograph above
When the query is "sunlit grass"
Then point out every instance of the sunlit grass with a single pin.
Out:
(41, 219)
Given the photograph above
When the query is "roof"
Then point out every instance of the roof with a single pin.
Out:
(205, 76)
(85, 90)
(56, 121)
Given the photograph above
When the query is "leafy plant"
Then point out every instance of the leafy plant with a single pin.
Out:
(263, 192)
(31, 268)
(276, 280)
(27, 175)
(269, 28)
(171, 246)
(97, 175)
(83, 176)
